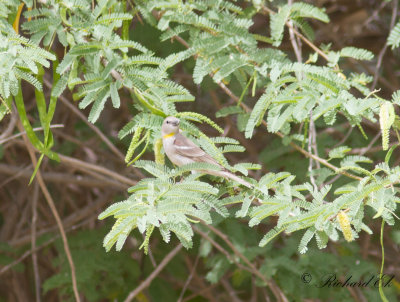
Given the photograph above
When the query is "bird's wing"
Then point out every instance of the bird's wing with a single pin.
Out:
(185, 147)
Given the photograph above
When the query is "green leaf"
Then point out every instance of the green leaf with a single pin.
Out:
(339, 152)
(394, 36)
(36, 168)
(114, 95)
(277, 24)
(389, 153)
(356, 53)
(19, 102)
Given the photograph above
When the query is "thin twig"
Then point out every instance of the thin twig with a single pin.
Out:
(53, 208)
(314, 142)
(14, 172)
(342, 141)
(10, 127)
(296, 47)
(26, 255)
(383, 50)
(6, 139)
(88, 212)
(201, 292)
(81, 165)
(231, 292)
(154, 274)
(311, 132)
(84, 167)
(189, 279)
(57, 177)
(371, 143)
(35, 198)
(215, 244)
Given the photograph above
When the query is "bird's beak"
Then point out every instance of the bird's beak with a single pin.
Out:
(176, 123)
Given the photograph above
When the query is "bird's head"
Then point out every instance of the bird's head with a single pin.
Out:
(170, 126)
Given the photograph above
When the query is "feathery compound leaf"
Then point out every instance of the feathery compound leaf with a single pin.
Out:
(228, 111)
(232, 148)
(197, 117)
(144, 120)
(60, 86)
(231, 64)
(98, 105)
(356, 53)
(113, 17)
(300, 9)
(339, 152)
(322, 239)
(201, 69)
(114, 95)
(135, 142)
(271, 235)
(65, 63)
(224, 140)
(29, 78)
(277, 24)
(394, 36)
(153, 168)
(144, 59)
(258, 112)
(396, 97)
(84, 49)
(308, 235)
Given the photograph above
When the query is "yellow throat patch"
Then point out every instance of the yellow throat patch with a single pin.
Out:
(169, 135)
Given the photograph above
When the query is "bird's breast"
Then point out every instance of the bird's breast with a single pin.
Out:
(173, 155)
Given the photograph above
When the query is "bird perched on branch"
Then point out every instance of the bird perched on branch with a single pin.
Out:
(181, 150)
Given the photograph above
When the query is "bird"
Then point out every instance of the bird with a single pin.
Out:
(182, 151)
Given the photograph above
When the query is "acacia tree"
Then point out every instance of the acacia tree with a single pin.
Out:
(93, 51)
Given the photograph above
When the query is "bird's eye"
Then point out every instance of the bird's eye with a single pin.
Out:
(167, 122)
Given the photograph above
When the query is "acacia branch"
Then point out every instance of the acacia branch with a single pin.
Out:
(292, 144)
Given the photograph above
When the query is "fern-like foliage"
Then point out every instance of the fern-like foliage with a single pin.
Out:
(19, 59)
(165, 203)
(295, 12)
(295, 213)
(394, 36)
(224, 49)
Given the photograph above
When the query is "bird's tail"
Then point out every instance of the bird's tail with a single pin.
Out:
(235, 178)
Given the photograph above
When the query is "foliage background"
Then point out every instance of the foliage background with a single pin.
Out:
(226, 259)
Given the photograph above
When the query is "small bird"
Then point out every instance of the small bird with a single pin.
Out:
(181, 150)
